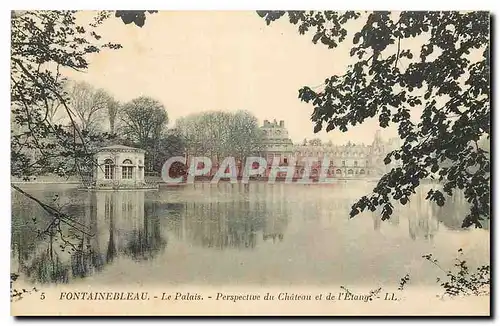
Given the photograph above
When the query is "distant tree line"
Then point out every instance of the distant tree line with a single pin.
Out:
(218, 134)
(143, 122)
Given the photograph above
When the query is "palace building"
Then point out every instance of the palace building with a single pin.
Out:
(277, 143)
(345, 161)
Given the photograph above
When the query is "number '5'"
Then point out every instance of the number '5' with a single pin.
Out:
(42, 296)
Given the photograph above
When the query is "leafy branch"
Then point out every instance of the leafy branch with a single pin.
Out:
(462, 281)
(449, 81)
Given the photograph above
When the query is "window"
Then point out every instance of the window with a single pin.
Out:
(127, 169)
(127, 172)
(355, 163)
(285, 160)
(108, 169)
(343, 163)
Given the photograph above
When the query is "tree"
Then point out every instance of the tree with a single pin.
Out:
(88, 104)
(437, 62)
(206, 133)
(144, 119)
(52, 108)
(158, 151)
(113, 111)
(315, 142)
(245, 136)
(220, 134)
(41, 43)
(170, 144)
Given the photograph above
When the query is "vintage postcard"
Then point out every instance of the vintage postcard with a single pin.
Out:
(194, 163)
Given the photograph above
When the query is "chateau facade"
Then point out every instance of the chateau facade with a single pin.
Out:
(349, 160)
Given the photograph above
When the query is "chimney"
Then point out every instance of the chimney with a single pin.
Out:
(266, 123)
(282, 123)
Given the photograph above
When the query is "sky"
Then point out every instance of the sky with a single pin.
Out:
(197, 61)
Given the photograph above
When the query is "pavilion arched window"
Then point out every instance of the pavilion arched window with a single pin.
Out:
(362, 171)
(338, 171)
(350, 171)
(127, 169)
(109, 167)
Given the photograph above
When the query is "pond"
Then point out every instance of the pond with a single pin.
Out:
(225, 234)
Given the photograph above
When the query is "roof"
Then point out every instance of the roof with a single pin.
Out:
(120, 148)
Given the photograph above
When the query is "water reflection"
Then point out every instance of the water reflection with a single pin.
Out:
(139, 225)
(425, 217)
(232, 216)
(132, 228)
(109, 224)
(48, 265)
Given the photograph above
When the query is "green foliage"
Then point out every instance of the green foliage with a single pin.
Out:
(404, 63)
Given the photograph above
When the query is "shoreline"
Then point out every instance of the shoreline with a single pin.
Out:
(208, 181)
